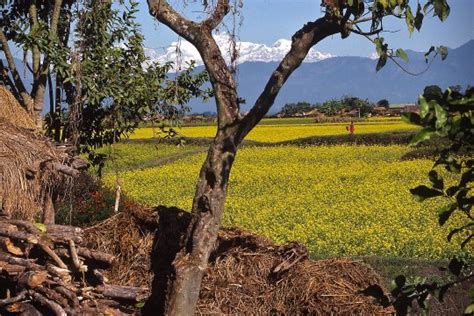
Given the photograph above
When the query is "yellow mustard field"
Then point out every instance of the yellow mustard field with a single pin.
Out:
(337, 200)
(284, 132)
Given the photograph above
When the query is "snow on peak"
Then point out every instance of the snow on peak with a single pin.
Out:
(247, 52)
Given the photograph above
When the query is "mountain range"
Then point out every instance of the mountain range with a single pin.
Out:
(323, 76)
(247, 51)
(355, 76)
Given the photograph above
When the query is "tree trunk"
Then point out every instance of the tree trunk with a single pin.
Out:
(208, 205)
(38, 105)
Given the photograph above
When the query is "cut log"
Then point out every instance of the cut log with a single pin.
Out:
(70, 295)
(28, 263)
(24, 309)
(52, 295)
(29, 227)
(18, 235)
(53, 306)
(52, 254)
(7, 301)
(7, 245)
(32, 279)
(92, 255)
(127, 293)
(48, 279)
(11, 269)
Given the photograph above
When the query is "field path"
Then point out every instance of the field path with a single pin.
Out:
(165, 160)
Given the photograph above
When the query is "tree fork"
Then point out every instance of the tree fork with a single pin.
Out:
(190, 263)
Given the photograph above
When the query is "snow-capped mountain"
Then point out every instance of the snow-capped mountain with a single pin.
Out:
(247, 52)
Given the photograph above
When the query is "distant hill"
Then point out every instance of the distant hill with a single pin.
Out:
(356, 76)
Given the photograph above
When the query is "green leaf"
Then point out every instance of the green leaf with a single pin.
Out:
(441, 9)
(455, 266)
(441, 116)
(443, 51)
(469, 309)
(42, 227)
(409, 19)
(436, 180)
(411, 117)
(445, 213)
(382, 61)
(140, 304)
(424, 107)
(427, 54)
(418, 18)
(402, 54)
(422, 193)
(422, 135)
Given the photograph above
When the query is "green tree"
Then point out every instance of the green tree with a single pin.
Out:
(447, 118)
(331, 107)
(290, 109)
(41, 29)
(363, 107)
(341, 17)
(449, 115)
(111, 85)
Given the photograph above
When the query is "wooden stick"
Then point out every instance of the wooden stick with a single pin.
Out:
(92, 255)
(70, 295)
(20, 296)
(128, 293)
(7, 245)
(18, 235)
(52, 254)
(28, 263)
(54, 307)
(74, 257)
(32, 229)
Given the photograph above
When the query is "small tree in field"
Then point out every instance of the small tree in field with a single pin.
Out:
(340, 17)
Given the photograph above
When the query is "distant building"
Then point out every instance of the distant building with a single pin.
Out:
(313, 113)
(398, 109)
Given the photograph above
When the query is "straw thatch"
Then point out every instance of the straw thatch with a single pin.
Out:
(247, 274)
(32, 169)
(12, 111)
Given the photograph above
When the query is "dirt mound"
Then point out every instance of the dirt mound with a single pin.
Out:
(12, 111)
(247, 274)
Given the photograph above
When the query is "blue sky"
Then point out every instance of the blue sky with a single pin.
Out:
(265, 21)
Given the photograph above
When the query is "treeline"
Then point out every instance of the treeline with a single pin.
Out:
(347, 105)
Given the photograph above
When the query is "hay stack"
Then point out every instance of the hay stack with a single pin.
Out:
(25, 177)
(12, 111)
(247, 274)
(32, 169)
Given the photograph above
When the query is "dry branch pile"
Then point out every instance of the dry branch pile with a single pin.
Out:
(46, 270)
(247, 274)
(32, 169)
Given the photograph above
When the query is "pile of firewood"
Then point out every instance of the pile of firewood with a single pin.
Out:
(44, 270)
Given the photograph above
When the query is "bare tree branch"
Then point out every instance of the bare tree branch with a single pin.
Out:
(8, 81)
(11, 63)
(302, 41)
(200, 35)
(221, 10)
